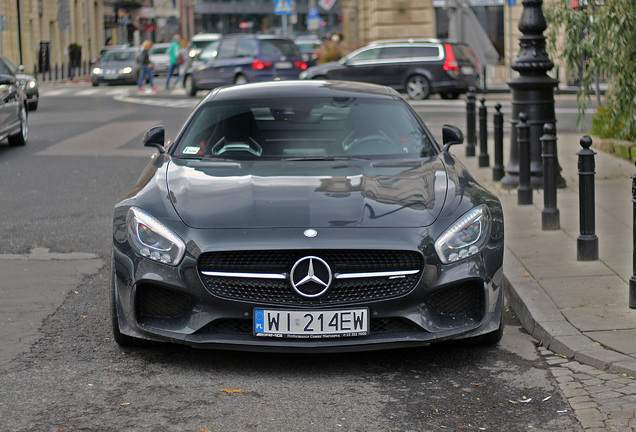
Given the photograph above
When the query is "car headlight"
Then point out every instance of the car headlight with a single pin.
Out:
(31, 83)
(97, 71)
(152, 239)
(465, 237)
(126, 70)
(192, 53)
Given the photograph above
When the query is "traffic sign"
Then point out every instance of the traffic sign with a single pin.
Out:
(283, 7)
(511, 2)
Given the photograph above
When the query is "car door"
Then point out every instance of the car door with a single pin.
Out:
(359, 66)
(393, 64)
(9, 101)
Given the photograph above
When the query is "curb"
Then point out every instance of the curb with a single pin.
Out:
(543, 320)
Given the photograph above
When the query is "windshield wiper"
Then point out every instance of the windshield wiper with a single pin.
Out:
(321, 158)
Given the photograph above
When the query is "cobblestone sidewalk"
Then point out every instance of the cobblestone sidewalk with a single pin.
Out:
(601, 401)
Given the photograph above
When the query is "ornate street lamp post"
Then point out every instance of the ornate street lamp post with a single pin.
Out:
(532, 93)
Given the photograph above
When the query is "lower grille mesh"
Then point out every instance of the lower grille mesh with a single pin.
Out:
(464, 299)
(157, 302)
(243, 326)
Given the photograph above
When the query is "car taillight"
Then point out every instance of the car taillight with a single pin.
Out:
(450, 63)
(299, 64)
(259, 64)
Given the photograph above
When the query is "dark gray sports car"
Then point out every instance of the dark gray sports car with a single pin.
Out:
(306, 216)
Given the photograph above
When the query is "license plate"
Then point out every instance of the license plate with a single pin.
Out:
(311, 324)
(468, 70)
(283, 65)
(111, 76)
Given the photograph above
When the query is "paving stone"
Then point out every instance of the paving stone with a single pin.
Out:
(583, 405)
(621, 414)
(564, 378)
(570, 393)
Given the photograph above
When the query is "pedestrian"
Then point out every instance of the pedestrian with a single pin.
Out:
(145, 67)
(174, 52)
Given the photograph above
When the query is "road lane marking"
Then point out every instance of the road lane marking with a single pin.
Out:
(105, 140)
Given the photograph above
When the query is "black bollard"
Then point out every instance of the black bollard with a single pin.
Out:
(587, 242)
(524, 191)
(470, 123)
(50, 72)
(484, 159)
(56, 74)
(498, 120)
(550, 218)
(632, 280)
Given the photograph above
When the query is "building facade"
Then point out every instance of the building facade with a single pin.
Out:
(40, 34)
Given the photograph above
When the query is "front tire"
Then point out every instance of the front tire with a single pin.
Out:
(240, 79)
(20, 138)
(418, 87)
(188, 84)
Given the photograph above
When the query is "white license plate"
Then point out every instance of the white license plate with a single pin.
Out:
(283, 65)
(111, 76)
(311, 324)
(468, 70)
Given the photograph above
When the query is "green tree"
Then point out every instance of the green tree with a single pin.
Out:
(603, 32)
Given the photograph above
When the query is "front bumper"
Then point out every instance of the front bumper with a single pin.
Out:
(177, 304)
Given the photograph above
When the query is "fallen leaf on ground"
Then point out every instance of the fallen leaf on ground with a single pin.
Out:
(228, 391)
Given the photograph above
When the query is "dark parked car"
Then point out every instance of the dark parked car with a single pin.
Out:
(420, 67)
(117, 66)
(200, 61)
(306, 216)
(248, 58)
(28, 83)
(13, 106)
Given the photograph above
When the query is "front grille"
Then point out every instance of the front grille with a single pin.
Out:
(464, 299)
(243, 326)
(280, 291)
(157, 302)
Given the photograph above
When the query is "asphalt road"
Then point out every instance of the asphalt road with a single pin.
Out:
(61, 371)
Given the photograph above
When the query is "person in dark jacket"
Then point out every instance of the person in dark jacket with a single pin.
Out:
(145, 67)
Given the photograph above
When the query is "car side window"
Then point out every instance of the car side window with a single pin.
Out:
(4, 70)
(367, 55)
(246, 48)
(426, 52)
(395, 52)
(227, 49)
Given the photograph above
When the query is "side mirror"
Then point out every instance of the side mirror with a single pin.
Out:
(7, 79)
(451, 135)
(155, 137)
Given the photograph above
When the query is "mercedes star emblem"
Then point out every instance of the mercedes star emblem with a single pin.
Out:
(311, 276)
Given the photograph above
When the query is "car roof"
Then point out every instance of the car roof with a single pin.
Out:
(412, 40)
(206, 36)
(253, 36)
(301, 88)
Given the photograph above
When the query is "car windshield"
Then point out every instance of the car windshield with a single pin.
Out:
(158, 50)
(314, 128)
(119, 56)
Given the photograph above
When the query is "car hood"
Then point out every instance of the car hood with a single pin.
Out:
(308, 194)
(122, 64)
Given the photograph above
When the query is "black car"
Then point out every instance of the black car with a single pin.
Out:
(13, 106)
(420, 67)
(247, 58)
(306, 216)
